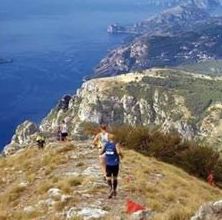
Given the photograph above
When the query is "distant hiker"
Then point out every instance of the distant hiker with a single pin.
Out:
(40, 139)
(210, 178)
(99, 141)
(112, 159)
(64, 131)
(59, 133)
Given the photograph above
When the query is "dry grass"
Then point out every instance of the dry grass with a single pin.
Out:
(67, 184)
(34, 167)
(168, 190)
(163, 188)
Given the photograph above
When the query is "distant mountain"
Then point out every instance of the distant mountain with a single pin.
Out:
(173, 20)
(181, 35)
(203, 42)
(198, 3)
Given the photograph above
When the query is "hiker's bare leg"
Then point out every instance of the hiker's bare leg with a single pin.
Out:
(102, 164)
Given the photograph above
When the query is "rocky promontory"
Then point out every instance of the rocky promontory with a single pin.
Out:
(171, 99)
(173, 20)
(147, 51)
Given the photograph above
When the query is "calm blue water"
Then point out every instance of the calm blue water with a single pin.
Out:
(54, 44)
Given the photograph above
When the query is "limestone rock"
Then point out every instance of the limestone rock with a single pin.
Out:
(210, 211)
(140, 215)
(23, 136)
(86, 213)
(55, 193)
(154, 97)
(24, 132)
(29, 209)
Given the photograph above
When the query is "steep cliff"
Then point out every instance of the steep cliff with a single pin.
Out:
(201, 43)
(171, 99)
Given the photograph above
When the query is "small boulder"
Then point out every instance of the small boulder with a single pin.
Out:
(209, 211)
(55, 193)
(86, 213)
(29, 209)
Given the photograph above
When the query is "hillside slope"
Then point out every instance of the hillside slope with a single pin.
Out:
(64, 181)
(170, 99)
(165, 48)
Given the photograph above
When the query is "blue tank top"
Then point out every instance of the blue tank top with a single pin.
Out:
(112, 158)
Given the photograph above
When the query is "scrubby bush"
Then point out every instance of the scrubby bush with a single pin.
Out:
(90, 129)
(195, 159)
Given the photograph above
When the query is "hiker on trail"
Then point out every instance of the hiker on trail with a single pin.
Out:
(59, 133)
(112, 159)
(99, 141)
(40, 139)
(210, 178)
(64, 131)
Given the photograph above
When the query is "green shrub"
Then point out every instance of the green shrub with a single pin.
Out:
(90, 128)
(171, 148)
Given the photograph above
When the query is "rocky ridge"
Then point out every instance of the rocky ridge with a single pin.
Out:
(183, 34)
(171, 99)
(64, 182)
(198, 3)
(202, 43)
(170, 21)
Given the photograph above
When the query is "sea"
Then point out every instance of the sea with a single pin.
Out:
(53, 44)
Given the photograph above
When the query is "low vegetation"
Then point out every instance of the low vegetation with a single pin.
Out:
(196, 159)
(26, 177)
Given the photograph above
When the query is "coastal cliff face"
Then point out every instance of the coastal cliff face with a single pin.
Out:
(181, 35)
(165, 50)
(173, 20)
(169, 99)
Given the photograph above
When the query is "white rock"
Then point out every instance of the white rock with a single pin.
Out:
(48, 202)
(29, 209)
(91, 171)
(140, 215)
(209, 211)
(64, 198)
(55, 193)
(71, 213)
(86, 213)
(217, 206)
(75, 174)
(23, 184)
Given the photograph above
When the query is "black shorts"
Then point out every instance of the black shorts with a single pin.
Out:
(64, 134)
(112, 170)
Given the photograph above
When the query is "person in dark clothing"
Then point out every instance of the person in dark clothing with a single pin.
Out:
(40, 139)
(59, 133)
(112, 159)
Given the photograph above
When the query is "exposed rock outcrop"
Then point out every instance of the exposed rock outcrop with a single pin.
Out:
(169, 99)
(201, 43)
(165, 98)
(173, 20)
(23, 136)
(209, 211)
